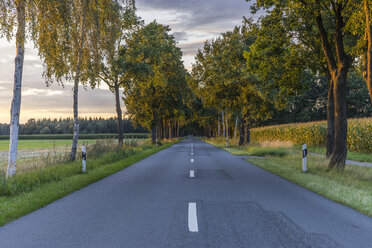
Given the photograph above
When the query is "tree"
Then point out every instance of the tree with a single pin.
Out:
(114, 70)
(18, 13)
(152, 95)
(330, 18)
(225, 83)
(79, 44)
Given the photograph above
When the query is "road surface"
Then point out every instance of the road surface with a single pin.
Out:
(191, 195)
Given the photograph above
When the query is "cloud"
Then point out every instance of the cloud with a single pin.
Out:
(194, 21)
(196, 13)
(190, 48)
(180, 35)
(41, 92)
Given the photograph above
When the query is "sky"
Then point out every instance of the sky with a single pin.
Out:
(192, 22)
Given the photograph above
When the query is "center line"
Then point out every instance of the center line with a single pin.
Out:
(193, 219)
(192, 160)
(192, 154)
(192, 174)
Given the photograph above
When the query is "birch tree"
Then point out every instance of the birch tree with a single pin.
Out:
(13, 13)
(115, 70)
(20, 14)
(87, 23)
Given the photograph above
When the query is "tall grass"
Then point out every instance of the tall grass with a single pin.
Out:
(55, 166)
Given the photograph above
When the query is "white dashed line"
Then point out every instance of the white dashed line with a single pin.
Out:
(193, 219)
(192, 154)
(192, 160)
(192, 174)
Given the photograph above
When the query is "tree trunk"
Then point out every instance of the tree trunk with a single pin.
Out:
(339, 67)
(219, 126)
(153, 134)
(76, 89)
(227, 131)
(368, 73)
(242, 132)
(330, 117)
(338, 157)
(170, 129)
(236, 127)
(223, 124)
(119, 114)
(178, 129)
(153, 128)
(247, 133)
(16, 102)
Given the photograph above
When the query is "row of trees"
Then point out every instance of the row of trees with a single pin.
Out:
(263, 69)
(66, 126)
(90, 42)
(156, 89)
(73, 38)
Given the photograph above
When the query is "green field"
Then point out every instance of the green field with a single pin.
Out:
(41, 144)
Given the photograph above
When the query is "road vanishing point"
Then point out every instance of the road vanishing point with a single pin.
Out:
(191, 195)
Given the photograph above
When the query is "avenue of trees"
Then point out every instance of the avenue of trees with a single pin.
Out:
(302, 60)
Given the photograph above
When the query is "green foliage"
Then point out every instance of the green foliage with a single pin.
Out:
(315, 133)
(70, 35)
(157, 82)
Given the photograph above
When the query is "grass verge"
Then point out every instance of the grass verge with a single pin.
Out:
(13, 207)
(352, 187)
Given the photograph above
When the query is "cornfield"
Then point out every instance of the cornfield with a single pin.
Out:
(359, 137)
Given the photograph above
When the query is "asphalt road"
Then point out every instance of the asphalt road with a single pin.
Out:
(155, 203)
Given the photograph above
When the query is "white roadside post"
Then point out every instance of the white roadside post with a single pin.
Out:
(84, 158)
(304, 158)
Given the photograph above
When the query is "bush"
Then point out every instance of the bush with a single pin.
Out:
(315, 133)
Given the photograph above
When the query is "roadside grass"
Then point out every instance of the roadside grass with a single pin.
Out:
(353, 187)
(355, 156)
(34, 189)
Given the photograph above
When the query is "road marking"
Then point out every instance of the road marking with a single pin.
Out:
(193, 219)
(192, 154)
(192, 174)
(192, 160)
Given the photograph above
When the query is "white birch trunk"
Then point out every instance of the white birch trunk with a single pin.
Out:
(223, 124)
(236, 127)
(76, 90)
(219, 127)
(16, 102)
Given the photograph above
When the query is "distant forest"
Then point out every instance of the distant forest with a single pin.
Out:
(65, 126)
